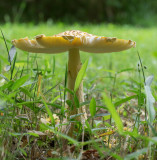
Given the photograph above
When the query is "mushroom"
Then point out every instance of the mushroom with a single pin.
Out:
(73, 41)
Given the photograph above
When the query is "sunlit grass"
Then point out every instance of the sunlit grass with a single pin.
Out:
(34, 89)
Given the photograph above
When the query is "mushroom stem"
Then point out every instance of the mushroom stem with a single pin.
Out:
(74, 65)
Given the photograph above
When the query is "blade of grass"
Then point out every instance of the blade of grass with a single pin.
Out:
(73, 141)
(124, 100)
(18, 83)
(5, 45)
(1, 75)
(150, 100)
(54, 63)
(136, 154)
(113, 112)
(49, 112)
(92, 107)
(65, 81)
(13, 67)
(80, 75)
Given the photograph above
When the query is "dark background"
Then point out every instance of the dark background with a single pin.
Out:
(139, 12)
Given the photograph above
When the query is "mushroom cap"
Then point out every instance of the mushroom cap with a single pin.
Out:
(73, 39)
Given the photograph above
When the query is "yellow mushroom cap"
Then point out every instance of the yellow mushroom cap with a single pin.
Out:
(73, 39)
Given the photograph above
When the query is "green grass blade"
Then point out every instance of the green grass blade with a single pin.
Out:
(54, 64)
(19, 82)
(49, 113)
(0, 66)
(26, 92)
(73, 141)
(13, 66)
(1, 75)
(136, 154)
(76, 101)
(92, 107)
(65, 82)
(80, 75)
(5, 44)
(113, 112)
(150, 99)
(124, 100)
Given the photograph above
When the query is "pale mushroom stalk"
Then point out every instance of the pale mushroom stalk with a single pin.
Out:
(74, 41)
(74, 66)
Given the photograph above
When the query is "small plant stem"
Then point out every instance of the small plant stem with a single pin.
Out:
(142, 69)
(92, 122)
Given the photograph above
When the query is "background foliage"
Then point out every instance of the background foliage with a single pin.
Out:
(113, 11)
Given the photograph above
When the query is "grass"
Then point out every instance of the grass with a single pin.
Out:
(32, 98)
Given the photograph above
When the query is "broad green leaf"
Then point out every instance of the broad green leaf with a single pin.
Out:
(18, 83)
(92, 107)
(80, 75)
(113, 112)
